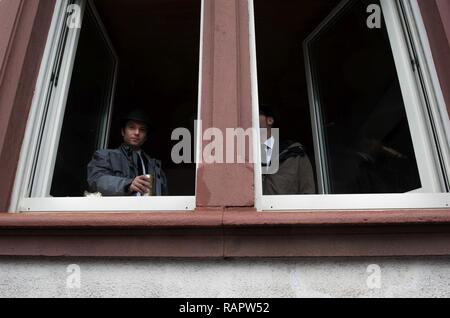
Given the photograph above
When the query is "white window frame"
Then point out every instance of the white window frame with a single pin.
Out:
(40, 160)
(432, 196)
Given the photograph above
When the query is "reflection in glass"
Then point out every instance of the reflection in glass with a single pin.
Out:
(366, 140)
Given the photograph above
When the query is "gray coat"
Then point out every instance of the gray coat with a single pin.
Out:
(295, 175)
(111, 172)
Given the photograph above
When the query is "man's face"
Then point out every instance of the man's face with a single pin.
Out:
(135, 134)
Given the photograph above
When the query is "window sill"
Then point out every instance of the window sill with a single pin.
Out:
(220, 233)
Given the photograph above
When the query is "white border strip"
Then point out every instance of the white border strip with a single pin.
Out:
(108, 204)
(308, 203)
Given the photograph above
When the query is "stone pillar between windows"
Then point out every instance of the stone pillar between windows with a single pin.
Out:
(226, 101)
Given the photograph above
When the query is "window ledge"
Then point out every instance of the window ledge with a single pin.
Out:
(145, 220)
(220, 218)
(218, 233)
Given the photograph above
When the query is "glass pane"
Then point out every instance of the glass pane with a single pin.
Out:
(86, 110)
(366, 136)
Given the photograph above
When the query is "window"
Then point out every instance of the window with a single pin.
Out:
(366, 115)
(102, 60)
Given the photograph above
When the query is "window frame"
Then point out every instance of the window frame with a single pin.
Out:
(351, 202)
(433, 96)
(22, 200)
(416, 119)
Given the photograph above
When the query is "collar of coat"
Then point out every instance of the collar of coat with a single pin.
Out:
(127, 150)
(291, 149)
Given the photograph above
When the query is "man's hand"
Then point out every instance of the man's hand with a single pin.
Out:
(140, 184)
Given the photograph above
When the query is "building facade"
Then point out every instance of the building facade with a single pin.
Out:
(225, 238)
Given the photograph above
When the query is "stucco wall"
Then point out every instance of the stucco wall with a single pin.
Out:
(234, 278)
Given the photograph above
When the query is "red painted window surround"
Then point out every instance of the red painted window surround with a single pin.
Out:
(225, 223)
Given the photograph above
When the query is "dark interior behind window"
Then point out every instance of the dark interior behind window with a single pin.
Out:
(157, 43)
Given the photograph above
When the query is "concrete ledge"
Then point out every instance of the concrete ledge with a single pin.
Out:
(227, 234)
(217, 218)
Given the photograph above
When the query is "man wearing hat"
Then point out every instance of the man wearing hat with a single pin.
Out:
(124, 171)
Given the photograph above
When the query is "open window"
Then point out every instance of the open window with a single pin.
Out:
(103, 59)
(354, 100)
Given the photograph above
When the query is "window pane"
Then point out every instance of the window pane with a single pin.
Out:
(158, 45)
(281, 27)
(366, 136)
(86, 110)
